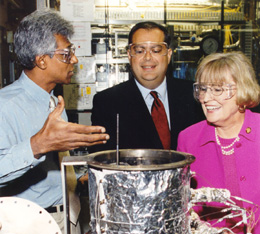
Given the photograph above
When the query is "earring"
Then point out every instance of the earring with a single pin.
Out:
(242, 109)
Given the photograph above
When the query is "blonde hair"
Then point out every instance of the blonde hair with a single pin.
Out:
(215, 67)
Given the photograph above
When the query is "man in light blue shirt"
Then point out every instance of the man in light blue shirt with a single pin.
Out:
(30, 134)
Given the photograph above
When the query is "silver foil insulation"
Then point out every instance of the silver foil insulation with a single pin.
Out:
(150, 202)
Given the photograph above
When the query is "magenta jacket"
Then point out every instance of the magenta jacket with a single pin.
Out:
(199, 140)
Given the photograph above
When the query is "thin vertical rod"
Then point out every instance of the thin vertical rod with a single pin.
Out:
(117, 139)
(165, 12)
(222, 26)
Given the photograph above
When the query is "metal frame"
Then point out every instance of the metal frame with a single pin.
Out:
(69, 161)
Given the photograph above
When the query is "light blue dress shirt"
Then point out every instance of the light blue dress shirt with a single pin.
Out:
(162, 94)
(24, 108)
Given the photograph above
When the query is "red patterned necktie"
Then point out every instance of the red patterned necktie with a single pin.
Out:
(160, 121)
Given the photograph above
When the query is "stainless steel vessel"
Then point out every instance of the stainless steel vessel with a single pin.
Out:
(148, 191)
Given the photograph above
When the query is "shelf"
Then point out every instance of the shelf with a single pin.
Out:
(111, 61)
(126, 16)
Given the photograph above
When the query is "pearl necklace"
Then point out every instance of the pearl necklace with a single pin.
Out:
(223, 148)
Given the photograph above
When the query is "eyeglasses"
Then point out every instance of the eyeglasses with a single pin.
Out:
(155, 48)
(66, 54)
(199, 90)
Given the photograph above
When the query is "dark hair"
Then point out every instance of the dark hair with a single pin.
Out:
(148, 25)
(35, 35)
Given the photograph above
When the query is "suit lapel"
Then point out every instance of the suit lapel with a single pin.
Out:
(172, 100)
(140, 112)
(174, 104)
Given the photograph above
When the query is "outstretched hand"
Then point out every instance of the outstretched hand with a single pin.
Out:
(59, 135)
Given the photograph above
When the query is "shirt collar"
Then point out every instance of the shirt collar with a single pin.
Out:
(249, 127)
(208, 136)
(247, 131)
(41, 96)
(161, 90)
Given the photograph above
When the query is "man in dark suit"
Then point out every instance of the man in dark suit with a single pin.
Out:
(149, 55)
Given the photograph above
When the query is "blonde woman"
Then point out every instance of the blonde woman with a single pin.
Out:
(227, 144)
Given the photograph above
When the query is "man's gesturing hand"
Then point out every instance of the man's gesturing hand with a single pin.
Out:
(58, 135)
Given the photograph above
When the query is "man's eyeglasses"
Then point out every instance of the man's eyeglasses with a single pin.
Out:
(155, 49)
(66, 54)
(199, 90)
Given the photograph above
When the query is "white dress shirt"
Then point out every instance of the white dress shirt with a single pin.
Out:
(162, 94)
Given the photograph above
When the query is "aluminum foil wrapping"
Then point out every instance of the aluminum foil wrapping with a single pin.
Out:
(151, 202)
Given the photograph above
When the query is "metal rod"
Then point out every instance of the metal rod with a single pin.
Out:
(165, 12)
(117, 139)
(222, 26)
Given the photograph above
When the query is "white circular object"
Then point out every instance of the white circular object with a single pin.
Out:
(20, 216)
(210, 45)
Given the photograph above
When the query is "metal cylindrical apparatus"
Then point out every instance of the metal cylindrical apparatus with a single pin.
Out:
(148, 191)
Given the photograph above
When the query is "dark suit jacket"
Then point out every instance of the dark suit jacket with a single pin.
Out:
(136, 128)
